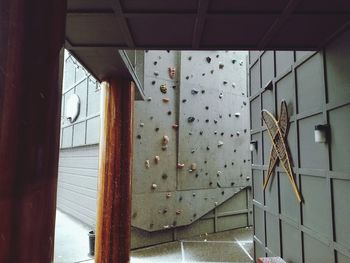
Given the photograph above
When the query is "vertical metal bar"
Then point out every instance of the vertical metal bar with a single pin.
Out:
(296, 160)
(329, 181)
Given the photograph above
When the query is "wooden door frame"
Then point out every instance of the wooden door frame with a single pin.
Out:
(31, 46)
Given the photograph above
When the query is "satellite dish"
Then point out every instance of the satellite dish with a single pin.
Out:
(73, 108)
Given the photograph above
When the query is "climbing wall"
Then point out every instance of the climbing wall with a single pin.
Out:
(155, 144)
(213, 116)
(191, 139)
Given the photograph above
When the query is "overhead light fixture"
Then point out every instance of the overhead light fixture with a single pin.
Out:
(321, 133)
(253, 145)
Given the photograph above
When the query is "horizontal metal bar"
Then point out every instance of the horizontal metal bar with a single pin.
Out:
(84, 46)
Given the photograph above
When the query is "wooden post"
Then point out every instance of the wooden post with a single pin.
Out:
(114, 202)
(31, 39)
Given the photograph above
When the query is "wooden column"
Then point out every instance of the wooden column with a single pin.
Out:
(31, 38)
(114, 202)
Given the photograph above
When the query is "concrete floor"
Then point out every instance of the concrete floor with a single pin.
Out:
(71, 240)
(72, 246)
(229, 246)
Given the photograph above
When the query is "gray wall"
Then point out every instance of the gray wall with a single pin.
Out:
(222, 172)
(78, 162)
(229, 215)
(316, 87)
(77, 183)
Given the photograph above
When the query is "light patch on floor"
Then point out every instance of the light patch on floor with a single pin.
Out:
(71, 240)
(72, 246)
(229, 246)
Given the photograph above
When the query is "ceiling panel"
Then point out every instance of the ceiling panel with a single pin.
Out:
(307, 31)
(235, 30)
(324, 6)
(91, 29)
(162, 30)
(95, 28)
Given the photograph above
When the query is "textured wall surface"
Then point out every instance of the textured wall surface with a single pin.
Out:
(204, 160)
(316, 87)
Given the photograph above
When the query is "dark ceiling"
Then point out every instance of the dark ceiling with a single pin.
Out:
(95, 29)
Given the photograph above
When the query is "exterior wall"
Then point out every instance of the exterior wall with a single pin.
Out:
(78, 163)
(85, 130)
(316, 87)
(77, 183)
(210, 87)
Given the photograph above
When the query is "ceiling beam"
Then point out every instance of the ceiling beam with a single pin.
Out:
(122, 22)
(83, 12)
(93, 46)
(69, 46)
(227, 13)
(82, 47)
(200, 22)
(74, 46)
(278, 23)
